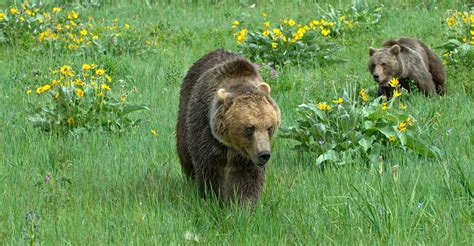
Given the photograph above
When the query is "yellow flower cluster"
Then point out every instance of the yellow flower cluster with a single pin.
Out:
(402, 126)
(79, 83)
(290, 31)
(68, 28)
(324, 107)
(364, 95)
(462, 25)
(241, 35)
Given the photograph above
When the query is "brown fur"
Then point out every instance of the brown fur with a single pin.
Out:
(225, 123)
(407, 58)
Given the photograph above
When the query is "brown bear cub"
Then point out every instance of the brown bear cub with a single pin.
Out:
(225, 123)
(407, 59)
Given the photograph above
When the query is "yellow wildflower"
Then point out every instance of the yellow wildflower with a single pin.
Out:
(264, 14)
(95, 37)
(105, 87)
(153, 132)
(402, 126)
(391, 138)
(384, 106)
(325, 32)
(14, 11)
(266, 24)
(22, 18)
(364, 95)
(43, 88)
(126, 26)
(402, 106)
(393, 82)
(241, 35)
(324, 107)
(73, 15)
(100, 71)
(409, 121)
(79, 93)
(59, 27)
(29, 12)
(2, 16)
(108, 78)
(291, 22)
(83, 32)
(72, 47)
(274, 45)
(266, 33)
(66, 70)
(86, 67)
(342, 18)
(56, 10)
(70, 120)
(323, 22)
(28, 92)
(331, 23)
(339, 100)
(235, 24)
(451, 20)
(54, 82)
(396, 93)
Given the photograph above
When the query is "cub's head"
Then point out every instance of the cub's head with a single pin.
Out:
(246, 122)
(384, 65)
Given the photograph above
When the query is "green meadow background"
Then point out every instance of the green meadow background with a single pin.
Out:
(128, 189)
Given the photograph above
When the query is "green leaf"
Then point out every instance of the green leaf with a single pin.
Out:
(128, 108)
(366, 143)
(330, 155)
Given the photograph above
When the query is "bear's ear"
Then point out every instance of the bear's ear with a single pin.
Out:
(395, 49)
(222, 95)
(372, 51)
(265, 88)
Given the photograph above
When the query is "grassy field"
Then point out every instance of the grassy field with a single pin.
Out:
(128, 189)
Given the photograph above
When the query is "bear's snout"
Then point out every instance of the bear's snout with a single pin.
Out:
(263, 158)
(376, 77)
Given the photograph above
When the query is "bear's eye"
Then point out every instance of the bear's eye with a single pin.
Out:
(270, 130)
(383, 64)
(249, 130)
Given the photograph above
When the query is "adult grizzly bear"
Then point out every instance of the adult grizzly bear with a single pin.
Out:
(405, 59)
(225, 123)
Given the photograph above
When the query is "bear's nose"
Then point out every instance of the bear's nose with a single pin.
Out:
(263, 157)
(376, 77)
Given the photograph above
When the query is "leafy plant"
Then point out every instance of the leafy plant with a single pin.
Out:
(306, 42)
(459, 47)
(83, 100)
(349, 128)
(68, 30)
(288, 42)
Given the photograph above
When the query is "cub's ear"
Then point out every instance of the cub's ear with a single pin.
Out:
(372, 51)
(265, 88)
(222, 95)
(395, 49)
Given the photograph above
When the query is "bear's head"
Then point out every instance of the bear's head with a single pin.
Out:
(384, 64)
(246, 122)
